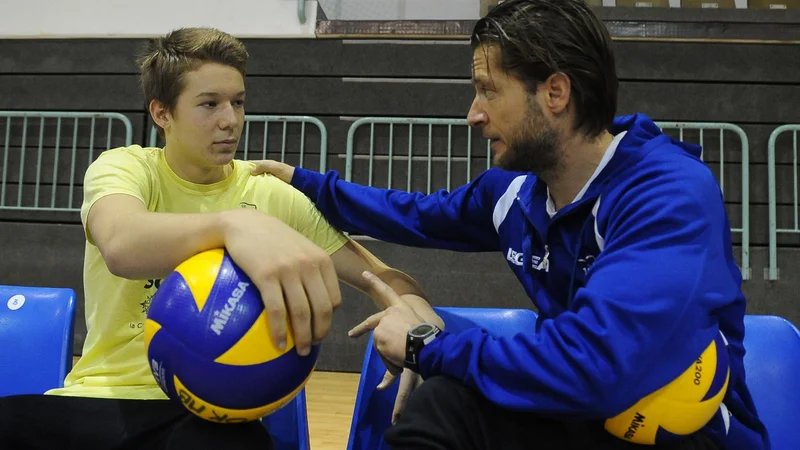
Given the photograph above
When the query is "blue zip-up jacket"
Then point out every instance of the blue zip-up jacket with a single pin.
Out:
(632, 280)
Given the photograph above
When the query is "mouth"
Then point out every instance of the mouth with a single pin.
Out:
(225, 142)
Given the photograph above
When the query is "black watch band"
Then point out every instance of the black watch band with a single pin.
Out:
(417, 338)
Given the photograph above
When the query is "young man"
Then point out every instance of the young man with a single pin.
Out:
(145, 211)
(617, 232)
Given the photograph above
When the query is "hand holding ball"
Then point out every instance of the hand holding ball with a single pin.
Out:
(208, 344)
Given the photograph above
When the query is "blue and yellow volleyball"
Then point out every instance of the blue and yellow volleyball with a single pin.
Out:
(208, 344)
(680, 408)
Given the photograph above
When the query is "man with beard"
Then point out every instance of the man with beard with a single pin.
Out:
(617, 232)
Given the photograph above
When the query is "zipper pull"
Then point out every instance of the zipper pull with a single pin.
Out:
(544, 264)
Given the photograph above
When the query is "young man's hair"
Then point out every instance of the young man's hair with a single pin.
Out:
(166, 60)
(537, 38)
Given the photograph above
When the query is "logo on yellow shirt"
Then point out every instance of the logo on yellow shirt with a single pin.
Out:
(146, 304)
(149, 297)
(247, 205)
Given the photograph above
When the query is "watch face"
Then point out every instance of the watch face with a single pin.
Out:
(422, 330)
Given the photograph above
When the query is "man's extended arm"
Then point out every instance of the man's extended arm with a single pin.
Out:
(459, 220)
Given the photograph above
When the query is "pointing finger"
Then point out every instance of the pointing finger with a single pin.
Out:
(369, 324)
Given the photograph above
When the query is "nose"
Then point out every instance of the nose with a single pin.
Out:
(228, 117)
(477, 117)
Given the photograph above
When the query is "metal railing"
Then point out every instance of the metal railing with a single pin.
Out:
(703, 127)
(408, 152)
(48, 182)
(252, 120)
(773, 272)
(405, 153)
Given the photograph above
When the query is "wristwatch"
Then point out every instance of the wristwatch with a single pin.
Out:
(417, 338)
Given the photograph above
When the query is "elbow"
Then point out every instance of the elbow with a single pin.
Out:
(114, 263)
(117, 261)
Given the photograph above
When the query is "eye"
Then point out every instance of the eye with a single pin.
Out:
(239, 103)
(486, 93)
(210, 104)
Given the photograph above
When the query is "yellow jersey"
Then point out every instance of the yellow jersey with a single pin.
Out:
(114, 363)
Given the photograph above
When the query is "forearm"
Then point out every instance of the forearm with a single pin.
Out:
(409, 291)
(150, 245)
(353, 260)
(423, 309)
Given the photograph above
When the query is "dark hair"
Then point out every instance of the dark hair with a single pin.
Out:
(537, 38)
(166, 60)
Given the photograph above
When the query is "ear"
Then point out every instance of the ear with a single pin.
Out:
(558, 91)
(160, 114)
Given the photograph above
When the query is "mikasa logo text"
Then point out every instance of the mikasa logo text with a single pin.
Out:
(637, 421)
(221, 317)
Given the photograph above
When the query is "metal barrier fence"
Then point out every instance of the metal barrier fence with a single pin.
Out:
(22, 189)
(702, 127)
(409, 156)
(773, 272)
(470, 149)
(45, 191)
(252, 120)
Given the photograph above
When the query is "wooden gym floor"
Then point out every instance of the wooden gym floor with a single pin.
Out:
(330, 397)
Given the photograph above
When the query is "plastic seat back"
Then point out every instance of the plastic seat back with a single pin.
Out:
(36, 326)
(772, 364)
(288, 426)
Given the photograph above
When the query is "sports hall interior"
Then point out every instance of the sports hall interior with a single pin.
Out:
(379, 91)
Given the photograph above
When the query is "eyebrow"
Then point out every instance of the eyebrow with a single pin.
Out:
(482, 80)
(216, 94)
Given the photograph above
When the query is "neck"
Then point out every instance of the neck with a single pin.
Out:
(580, 157)
(189, 170)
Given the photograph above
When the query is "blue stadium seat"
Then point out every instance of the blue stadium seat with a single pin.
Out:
(373, 409)
(772, 364)
(36, 325)
(288, 426)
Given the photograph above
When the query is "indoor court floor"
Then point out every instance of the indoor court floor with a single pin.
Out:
(330, 397)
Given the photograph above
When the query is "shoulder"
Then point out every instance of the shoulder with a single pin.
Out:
(681, 174)
(669, 184)
(499, 178)
(133, 152)
(494, 183)
(131, 157)
(263, 183)
(269, 189)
